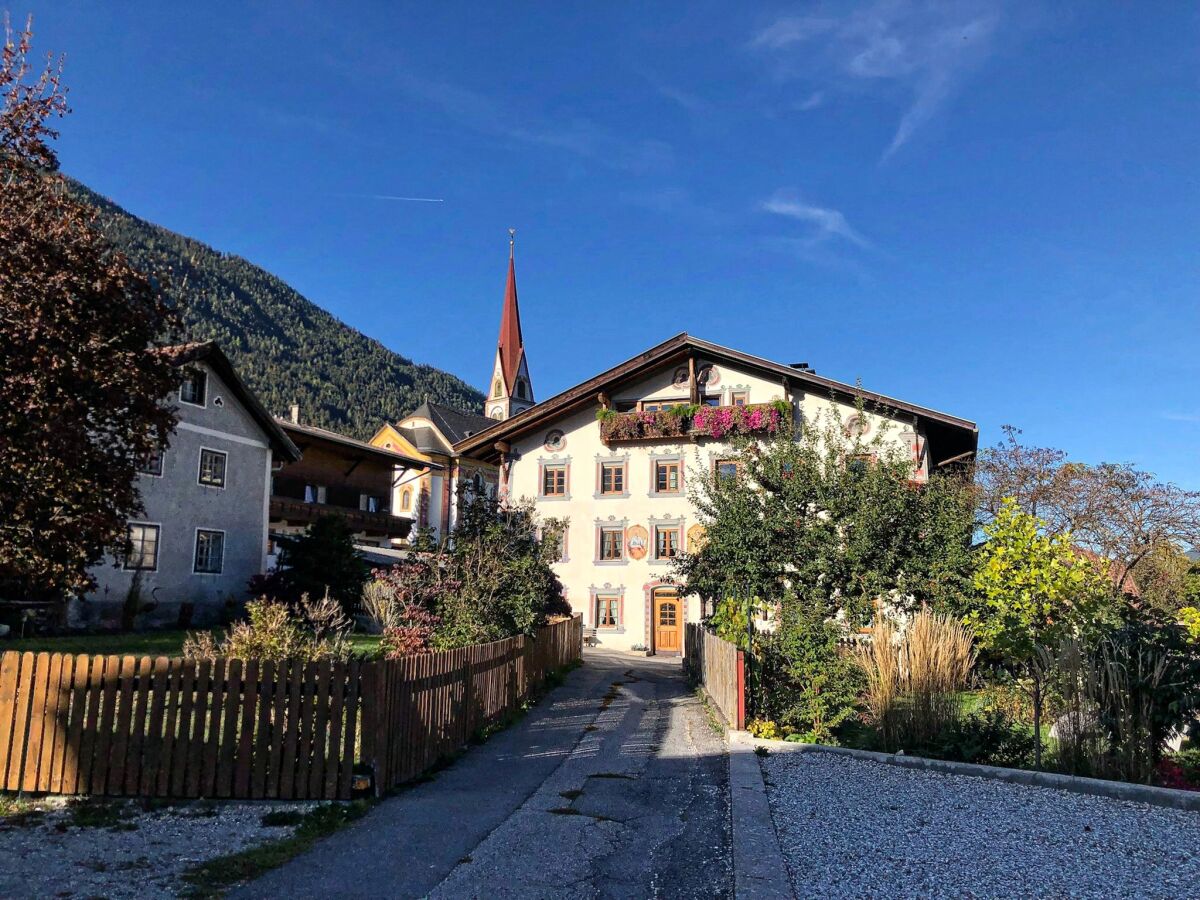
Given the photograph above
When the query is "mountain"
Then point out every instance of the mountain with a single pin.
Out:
(287, 348)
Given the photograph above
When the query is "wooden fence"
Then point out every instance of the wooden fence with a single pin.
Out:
(123, 726)
(721, 668)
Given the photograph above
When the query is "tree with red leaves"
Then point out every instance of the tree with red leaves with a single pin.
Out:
(82, 377)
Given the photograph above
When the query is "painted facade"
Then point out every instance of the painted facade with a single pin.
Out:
(626, 499)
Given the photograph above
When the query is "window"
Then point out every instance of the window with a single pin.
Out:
(314, 493)
(141, 547)
(522, 389)
(738, 398)
(711, 401)
(859, 463)
(152, 463)
(497, 389)
(612, 544)
(666, 542)
(554, 481)
(659, 405)
(406, 499)
(192, 389)
(726, 469)
(210, 552)
(369, 503)
(558, 538)
(612, 478)
(608, 611)
(212, 468)
(666, 476)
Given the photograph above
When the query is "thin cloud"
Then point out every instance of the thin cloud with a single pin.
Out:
(923, 51)
(579, 135)
(811, 102)
(826, 224)
(1181, 417)
(394, 197)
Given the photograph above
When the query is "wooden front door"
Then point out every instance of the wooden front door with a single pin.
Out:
(668, 622)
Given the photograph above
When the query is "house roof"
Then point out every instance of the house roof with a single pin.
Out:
(963, 434)
(211, 355)
(312, 431)
(454, 425)
(1128, 586)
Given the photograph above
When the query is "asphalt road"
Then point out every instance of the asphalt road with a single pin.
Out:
(585, 797)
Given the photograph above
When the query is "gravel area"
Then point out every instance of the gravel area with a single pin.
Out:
(124, 849)
(849, 827)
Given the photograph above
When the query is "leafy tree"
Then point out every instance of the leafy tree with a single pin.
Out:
(1117, 511)
(834, 519)
(1033, 592)
(320, 560)
(491, 579)
(1168, 579)
(83, 380)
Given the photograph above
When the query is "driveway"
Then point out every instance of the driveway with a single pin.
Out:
(615, 785)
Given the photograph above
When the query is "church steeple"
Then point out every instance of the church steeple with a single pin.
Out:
(510, 391)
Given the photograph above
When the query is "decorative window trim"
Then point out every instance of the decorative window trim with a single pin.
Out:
(610, 524)
(200, 469)
(594, 594)
(717, 460)
(157, 526)
(196, 550)
(671, 523)
(655, 459)
(733, 391)
(601, 462)
(563, 462)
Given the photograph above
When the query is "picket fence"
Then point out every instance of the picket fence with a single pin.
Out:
(720, 667)
(227, 728)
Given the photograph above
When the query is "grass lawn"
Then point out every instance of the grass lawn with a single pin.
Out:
(139, 643)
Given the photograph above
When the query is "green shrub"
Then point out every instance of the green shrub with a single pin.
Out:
(988, 738)
(315, 630)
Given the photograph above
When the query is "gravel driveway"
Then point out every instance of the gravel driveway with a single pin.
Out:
(849, 827)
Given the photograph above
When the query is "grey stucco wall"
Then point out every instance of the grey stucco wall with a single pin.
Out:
(180, 505)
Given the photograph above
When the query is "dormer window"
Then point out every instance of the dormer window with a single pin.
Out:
(192, 390)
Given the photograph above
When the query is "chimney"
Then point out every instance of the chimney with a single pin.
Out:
(294, 414)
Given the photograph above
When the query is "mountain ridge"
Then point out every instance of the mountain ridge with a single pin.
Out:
(287, 348)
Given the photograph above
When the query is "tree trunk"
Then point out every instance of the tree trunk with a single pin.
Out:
(1037, 721)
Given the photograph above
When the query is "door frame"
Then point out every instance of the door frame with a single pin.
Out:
(679, 616)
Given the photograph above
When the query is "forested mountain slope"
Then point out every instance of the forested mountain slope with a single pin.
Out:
(287, 348)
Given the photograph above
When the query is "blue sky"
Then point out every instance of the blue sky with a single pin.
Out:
(988, 208)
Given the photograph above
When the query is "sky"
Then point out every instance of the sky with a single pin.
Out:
(987, 208)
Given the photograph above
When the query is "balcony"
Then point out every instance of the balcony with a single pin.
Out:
(297, 512)
(694, 422)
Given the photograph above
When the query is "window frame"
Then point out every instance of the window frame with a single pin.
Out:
(619, 465)
(187, 377)
(725, 460)
(160, 455)
(675, 529)
(196, 552)
(224, 454)
(742, 395)
(615, 603)
(157, 526)
(657, 461)
(661, 403)
(623, 551)
(554, 464)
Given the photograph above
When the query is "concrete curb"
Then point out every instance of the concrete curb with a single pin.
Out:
(759, 870)
(1097, 787)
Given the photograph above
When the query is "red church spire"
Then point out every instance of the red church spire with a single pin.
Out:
(511, 345)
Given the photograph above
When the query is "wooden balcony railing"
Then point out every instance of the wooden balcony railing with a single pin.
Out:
(375, 523)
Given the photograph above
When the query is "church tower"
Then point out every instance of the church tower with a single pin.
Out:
(509, 391)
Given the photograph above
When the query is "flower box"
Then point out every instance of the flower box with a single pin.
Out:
(714, 422)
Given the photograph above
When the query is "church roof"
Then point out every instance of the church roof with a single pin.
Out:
(454, 425)
(511, 345)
